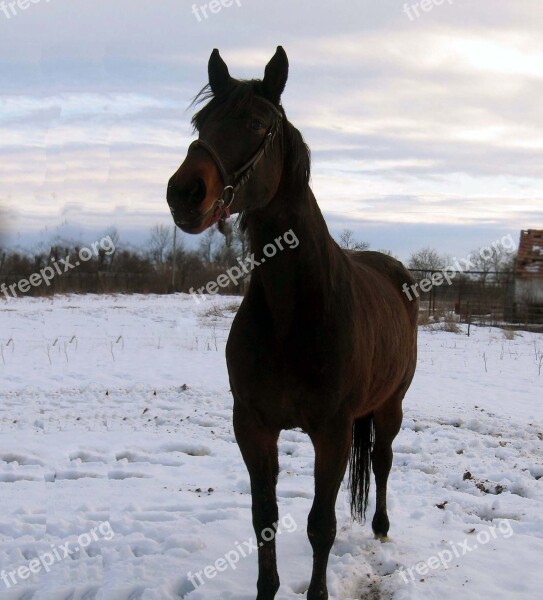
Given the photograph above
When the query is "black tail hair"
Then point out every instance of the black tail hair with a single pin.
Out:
(360, 466)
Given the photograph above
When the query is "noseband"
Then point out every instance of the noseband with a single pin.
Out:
(234, 181)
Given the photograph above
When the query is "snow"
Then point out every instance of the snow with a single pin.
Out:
(115, 416)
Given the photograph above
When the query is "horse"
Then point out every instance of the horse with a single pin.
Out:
(324, 339)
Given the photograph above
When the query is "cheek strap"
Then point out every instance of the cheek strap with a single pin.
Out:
(234, 181)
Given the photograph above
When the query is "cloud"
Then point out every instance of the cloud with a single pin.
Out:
(432, 123)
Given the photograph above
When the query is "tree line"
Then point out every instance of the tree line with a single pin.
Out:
(165, 263)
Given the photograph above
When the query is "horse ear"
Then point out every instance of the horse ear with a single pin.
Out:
(219, 77)
(276, 75)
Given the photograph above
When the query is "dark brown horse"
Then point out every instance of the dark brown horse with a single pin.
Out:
(324, 339)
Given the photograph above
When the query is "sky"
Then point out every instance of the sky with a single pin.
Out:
(424, 118)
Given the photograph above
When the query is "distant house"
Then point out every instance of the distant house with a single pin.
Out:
(529, 273)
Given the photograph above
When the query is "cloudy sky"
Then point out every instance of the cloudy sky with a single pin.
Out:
(425, 130)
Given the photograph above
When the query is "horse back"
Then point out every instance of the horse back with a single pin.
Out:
(390, 269)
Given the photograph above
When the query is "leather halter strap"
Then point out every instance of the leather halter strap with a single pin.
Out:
(234, 181)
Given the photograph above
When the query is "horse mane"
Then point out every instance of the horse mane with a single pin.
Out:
(297, 156)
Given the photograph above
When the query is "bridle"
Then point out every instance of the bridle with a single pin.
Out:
(234, 181)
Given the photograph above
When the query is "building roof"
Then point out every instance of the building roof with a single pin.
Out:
(529, 261)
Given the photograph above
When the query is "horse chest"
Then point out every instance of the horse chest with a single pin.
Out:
(292, 378)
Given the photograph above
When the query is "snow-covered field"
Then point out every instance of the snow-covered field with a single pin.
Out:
(116, 439)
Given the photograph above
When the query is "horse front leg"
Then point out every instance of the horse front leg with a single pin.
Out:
(332, 448)
(258, 445)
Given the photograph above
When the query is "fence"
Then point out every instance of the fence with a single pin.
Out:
(476, 297)
(97, 283)
(481, 298)
(105, 282)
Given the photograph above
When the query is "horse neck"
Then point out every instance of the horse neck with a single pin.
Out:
(299, 278)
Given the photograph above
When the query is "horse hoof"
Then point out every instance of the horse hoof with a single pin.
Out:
(267, 592)
(380, 525)
(317, 595)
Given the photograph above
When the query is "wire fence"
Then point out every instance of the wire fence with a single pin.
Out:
(482, 298)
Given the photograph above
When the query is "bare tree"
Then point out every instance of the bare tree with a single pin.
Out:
(3, 224)
(387, 252)
(507, 266)
(493, 260)
(502, 259)
(348, 242)
(113, 234)
(483, 261)
(241, 241)
(427, 260)
(159, 243)
(207, 244)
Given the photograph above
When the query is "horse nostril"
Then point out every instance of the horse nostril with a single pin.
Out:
(187, 196)
(197, 191)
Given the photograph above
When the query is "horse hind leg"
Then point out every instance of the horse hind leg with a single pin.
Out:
(387, 421)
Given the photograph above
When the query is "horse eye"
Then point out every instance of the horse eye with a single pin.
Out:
(256, 124)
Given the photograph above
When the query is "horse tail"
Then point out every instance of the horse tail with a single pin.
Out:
(360, 466)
